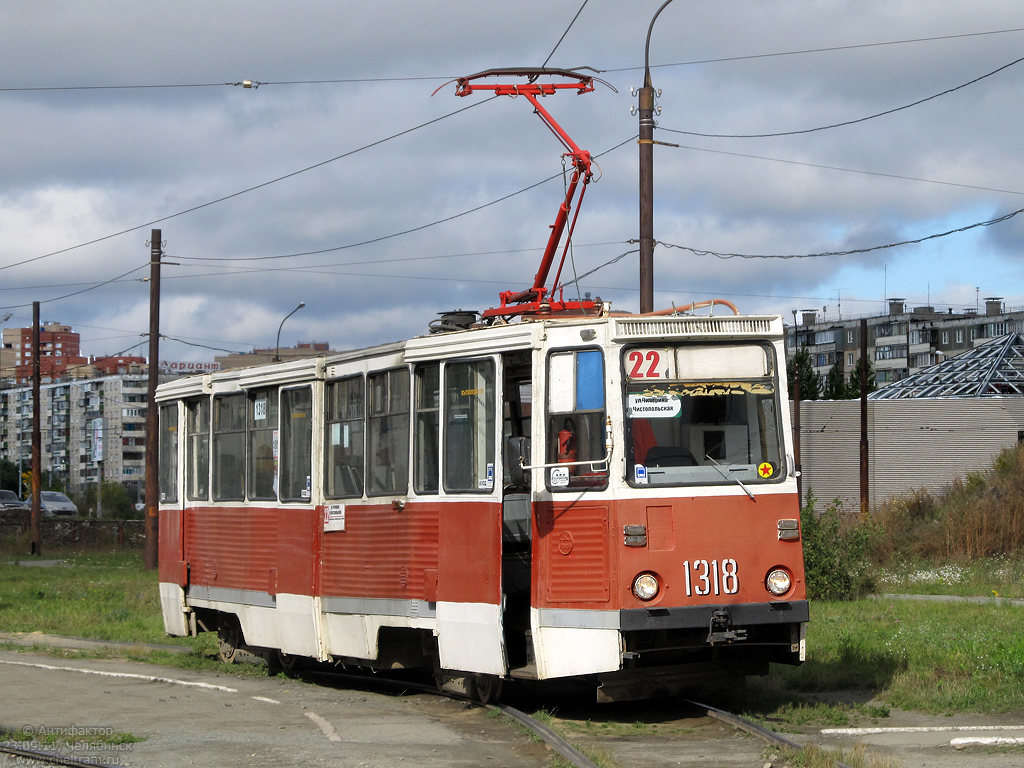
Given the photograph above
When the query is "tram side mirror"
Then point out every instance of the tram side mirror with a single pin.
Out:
(517, 454)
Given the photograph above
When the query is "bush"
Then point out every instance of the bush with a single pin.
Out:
(835, 553)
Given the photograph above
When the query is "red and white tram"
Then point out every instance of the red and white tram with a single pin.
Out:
(610, 496)
(575, 494)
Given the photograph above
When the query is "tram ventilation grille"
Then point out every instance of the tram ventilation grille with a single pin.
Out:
(691, 326)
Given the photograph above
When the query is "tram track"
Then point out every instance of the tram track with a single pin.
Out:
(549, 736)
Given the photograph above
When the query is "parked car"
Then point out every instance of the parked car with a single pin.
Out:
(10, 500)
(55, 503)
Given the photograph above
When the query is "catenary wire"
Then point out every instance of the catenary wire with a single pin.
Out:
(84, 290)
(329, 81)
(844, 170)
(252, 188)
(701, 252)
(818, 50)
(565, 33)
(845, 122)
(404, 231)
(253, 84)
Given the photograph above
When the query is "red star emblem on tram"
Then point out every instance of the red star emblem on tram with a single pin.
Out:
(765, 469)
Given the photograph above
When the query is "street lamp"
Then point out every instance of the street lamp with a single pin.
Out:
(645, 99)
(277, 347)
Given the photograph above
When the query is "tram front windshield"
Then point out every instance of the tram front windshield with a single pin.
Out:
(707, 428)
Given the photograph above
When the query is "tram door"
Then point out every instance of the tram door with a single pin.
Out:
(517, 410)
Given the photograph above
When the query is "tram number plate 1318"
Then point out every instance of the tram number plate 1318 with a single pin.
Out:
(711, 577)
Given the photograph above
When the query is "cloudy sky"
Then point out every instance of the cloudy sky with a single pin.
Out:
(239, 180)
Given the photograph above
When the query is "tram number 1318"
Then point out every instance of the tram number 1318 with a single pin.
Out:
(705, 577)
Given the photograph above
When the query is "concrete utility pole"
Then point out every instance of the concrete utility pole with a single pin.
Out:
(152, 413)
(37, 437)
(645, 101)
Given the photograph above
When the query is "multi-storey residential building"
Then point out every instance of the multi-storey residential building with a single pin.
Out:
(58, 352)
(92, 429)
(902, 342)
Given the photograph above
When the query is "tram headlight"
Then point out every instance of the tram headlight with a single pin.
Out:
(646, 587)
(778, 581)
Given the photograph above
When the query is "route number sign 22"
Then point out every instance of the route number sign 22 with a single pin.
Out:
(647, 363)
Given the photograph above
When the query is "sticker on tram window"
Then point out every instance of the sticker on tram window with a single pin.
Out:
(639, 473)
(559, 477)
(649, 364)
(653, 406)
(259, 410)
(711, 577)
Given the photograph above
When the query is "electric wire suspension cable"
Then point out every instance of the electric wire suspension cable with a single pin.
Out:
(845, 122)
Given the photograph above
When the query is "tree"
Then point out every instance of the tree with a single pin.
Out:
(8, 475)
(835, 383)
(799, 366)
(853, 385)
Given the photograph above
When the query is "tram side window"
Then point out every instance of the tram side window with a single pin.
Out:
(296, 444)
(197, 448)
(229, 447)
(169, 453)
(344, 450)
(426, 446)
(388, 439)
(576, 420)
(263, 445)
(469, 426)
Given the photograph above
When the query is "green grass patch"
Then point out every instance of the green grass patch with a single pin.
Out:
(95, 596)
(999, 576)
(813, 756)
(71, 736)
(928, 656)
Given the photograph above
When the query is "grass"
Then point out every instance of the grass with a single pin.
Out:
(96, 596)
(999, 576)
(813, 756)
(927, 656)
(58, 736)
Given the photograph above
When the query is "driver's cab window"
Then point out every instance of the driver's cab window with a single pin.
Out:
(576, 421)
(702, 415)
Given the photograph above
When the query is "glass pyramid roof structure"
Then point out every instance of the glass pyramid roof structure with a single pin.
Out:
(993, 369)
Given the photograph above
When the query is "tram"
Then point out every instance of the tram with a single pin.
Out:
(547, 490)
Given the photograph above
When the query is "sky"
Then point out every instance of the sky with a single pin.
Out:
(117, 117)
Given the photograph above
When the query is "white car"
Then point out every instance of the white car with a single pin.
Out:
(55, 503)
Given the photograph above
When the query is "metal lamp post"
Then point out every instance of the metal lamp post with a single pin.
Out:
(277, 346)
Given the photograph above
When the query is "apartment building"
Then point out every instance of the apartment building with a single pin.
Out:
(92, 430)
(902, 342)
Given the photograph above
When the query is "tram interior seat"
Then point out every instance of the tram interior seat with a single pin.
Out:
(348, 480)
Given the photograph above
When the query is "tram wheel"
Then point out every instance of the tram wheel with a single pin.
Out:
(229, 638)
(487, 688)
(279, 662)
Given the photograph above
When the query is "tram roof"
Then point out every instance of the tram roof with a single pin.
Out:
(480, 341)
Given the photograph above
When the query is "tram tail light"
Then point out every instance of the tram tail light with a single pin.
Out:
(789, 530)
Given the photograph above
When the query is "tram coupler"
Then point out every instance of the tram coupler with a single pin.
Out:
(721, 630)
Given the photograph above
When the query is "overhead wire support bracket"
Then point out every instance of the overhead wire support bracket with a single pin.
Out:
(537, 299)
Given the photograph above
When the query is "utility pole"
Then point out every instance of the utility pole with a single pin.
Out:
(37, 437)
(152, 413)
(864, 487)
(645, 103)
(646, 142)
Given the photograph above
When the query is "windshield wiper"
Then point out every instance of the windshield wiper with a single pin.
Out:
(734, 479)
